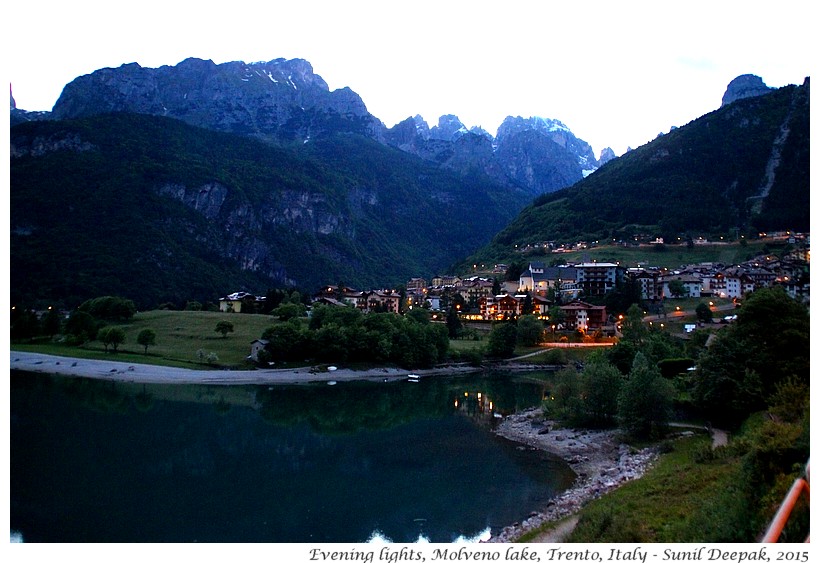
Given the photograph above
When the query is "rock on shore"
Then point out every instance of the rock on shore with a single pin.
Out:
(601, 463)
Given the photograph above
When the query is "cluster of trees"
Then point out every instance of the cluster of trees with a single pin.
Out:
(82, 325)
(640, 402)
(345, 334)
(746, 367)
(90, 321)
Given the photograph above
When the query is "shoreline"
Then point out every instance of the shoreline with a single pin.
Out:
(600, 462)
(114, 370)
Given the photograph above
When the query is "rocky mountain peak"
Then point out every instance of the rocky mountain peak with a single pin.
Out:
(449, 128)
(606, 155)
(518, 124)
(744, 86)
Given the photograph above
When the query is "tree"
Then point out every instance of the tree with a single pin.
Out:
(556, 316)
(82, 326)
(527, 306)
(287, 311)
(530, 330)
(626, 293)
(677, 288)
(645, 401)
(419, 315)
(146, 338)
(704, 313)
(52, 322)
(24, 324)
(502, 339)
(633, 328)
(109, 308)
(111, 336)
(740, 370)
(223, 328)
(286, 342)
(601, 386)
(564, 402)
(453, 323)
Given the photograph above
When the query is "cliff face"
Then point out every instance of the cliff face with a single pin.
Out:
(744, 86)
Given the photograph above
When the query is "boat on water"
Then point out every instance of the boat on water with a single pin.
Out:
(413, 378)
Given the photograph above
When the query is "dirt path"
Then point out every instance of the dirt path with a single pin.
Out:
(560, 532)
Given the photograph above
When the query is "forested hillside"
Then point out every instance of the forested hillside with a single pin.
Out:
(737, 170)
(155, 210)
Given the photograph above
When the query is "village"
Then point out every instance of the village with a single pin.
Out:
(570, 292)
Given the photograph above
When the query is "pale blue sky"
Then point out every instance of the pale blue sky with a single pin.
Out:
(616, 73)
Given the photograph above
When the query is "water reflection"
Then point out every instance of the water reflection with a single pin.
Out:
(104, 461)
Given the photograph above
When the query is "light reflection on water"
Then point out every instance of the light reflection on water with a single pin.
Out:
(377, 537)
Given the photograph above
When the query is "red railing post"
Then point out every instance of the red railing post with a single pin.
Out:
(784, 512)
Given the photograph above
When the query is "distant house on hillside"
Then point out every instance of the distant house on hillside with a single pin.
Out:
(366, 301)
(239, 301)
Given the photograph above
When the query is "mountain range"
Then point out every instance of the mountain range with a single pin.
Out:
(193, 181)
(284, 102)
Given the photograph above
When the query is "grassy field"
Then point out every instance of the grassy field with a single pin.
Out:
(180, 336)
(667, 505)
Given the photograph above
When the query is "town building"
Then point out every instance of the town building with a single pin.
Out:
(579, 315)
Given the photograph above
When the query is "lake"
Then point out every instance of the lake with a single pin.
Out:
(101, 461)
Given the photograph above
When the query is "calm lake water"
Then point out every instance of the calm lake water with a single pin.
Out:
(98, 461)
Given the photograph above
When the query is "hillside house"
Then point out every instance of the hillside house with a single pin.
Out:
(445, 281)
(366, 301)
(416, 285)
(539, 279)
(598, 278)
(541, 305)
(580, 315)
(473, 289)
(386, 301)
(240, 301)
(499, 307)
(649, 280)
(256, 346)
(691, 284)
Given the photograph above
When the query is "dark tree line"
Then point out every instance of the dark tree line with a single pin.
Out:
(345, 334)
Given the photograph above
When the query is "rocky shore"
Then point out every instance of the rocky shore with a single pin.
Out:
(601, 463)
